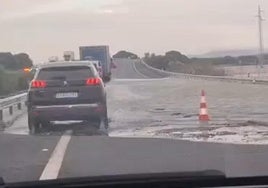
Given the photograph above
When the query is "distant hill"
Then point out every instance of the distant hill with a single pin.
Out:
(233, 53)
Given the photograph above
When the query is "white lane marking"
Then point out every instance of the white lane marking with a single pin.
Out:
(139, 79)
(138, 72)
(53, 166)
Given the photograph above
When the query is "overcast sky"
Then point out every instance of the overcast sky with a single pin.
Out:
(44, 28)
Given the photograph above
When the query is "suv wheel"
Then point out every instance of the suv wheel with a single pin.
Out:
(106, 122)
(34, 125)
(46, 126)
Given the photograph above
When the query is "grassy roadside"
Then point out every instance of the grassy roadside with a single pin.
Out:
(196, 69)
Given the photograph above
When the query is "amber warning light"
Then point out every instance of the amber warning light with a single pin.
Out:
(27, 70)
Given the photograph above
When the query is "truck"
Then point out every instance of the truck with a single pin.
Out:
(98, 53)
(53, 59)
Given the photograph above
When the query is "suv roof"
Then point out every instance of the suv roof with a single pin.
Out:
(67, 64)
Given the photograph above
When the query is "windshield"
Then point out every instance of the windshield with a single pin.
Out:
(176, 86)
(65, 73)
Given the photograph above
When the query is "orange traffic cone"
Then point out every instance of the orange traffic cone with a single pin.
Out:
(203, 115)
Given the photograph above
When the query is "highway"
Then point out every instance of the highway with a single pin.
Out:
(154, 127)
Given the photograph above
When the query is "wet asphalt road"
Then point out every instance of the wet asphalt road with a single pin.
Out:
(142, 103)
(169, 107)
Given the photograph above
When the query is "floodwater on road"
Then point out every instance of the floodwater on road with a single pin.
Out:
(169, 108)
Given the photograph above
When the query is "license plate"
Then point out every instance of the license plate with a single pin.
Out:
(67, 95)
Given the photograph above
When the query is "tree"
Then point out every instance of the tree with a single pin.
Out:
(125, 54)
(230, 60)
(147, 55)
(8, 61)
(247, 60)
(162, 62)
(2, 75)
(15, 62)
(159, 62)
(177, 56)
(23, 60)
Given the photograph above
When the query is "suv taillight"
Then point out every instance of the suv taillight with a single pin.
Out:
(93, 81)
(38, 84)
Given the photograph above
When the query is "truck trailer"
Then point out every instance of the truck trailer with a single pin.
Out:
(98, 53)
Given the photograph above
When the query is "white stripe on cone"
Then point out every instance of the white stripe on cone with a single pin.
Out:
(203, 111)
(203, 99)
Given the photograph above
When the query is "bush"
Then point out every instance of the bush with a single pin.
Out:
(12, 81)
(196, 69)
(207, 69)
(174, 61)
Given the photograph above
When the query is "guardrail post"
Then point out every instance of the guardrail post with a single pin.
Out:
(1, 115)
(19, 106)
(1, 120)
(10, 110)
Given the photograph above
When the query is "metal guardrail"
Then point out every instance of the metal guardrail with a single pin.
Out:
(11, 108)
(203, 77)
(11, 100)
(12, 94)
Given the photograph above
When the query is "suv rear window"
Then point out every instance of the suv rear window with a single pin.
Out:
(65, 73)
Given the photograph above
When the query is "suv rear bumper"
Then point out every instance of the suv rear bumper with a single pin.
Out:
(68, 112)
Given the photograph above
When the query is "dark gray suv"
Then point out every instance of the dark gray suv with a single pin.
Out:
(63, 91)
